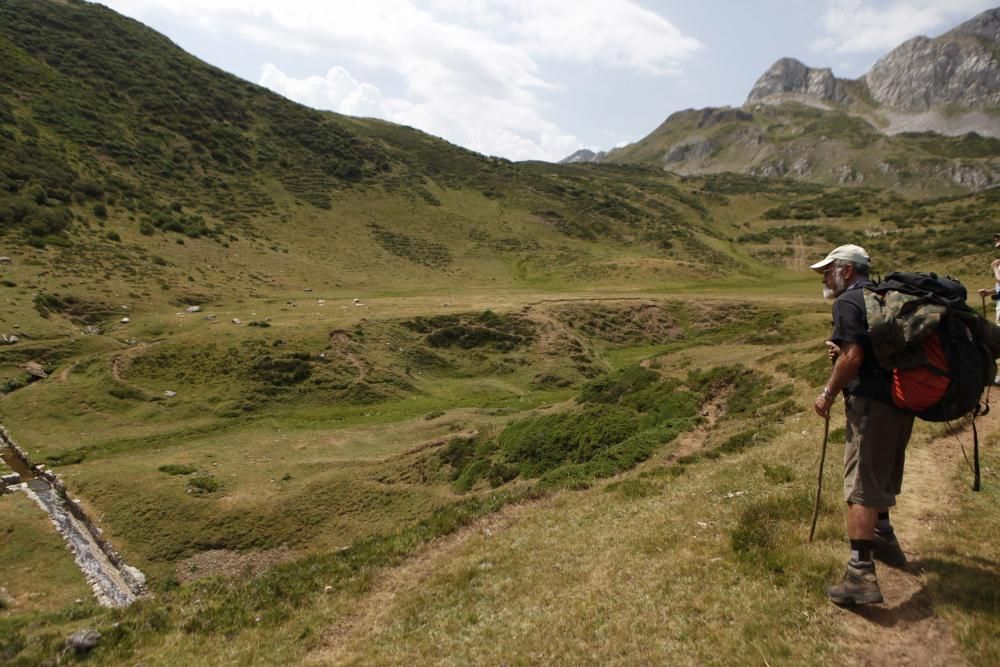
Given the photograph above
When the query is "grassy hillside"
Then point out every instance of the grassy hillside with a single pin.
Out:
(833, 146)
(295, 357)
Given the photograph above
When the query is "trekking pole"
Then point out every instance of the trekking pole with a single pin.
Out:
(984, 304)
(819, 479)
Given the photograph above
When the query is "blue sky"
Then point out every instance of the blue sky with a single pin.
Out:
(534, 79)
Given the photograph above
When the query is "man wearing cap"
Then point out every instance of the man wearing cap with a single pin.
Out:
(877, 431)
(995, 292)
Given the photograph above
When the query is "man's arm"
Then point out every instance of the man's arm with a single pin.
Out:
(845, 368)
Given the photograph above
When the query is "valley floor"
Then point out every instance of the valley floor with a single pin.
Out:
(393, 530)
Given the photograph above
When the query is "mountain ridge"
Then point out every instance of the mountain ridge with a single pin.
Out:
(947, 87)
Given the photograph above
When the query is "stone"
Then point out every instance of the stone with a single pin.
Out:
(11, 479)
(236, 320)
(36, 369)
(83, 641)
(193, 309)
(9, 339)
(790, 76)
(92, 330)
(5, 260)
(169, 394)
(694, 147)
(125, 320)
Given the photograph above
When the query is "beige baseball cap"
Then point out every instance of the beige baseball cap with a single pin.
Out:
(850, 252)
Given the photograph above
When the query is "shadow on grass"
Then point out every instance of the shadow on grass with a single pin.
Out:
(915, 608)
(970, 586)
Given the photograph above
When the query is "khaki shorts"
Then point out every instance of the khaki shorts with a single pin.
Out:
(877, 434)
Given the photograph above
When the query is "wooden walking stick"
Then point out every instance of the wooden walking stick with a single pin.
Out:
(819, 479)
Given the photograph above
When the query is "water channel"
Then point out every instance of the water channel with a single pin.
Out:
(114, 584)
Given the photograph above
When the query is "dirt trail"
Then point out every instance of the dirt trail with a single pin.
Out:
(373, 610)
(691, 441)
(343, 346)
(121, 361)
(905, 630)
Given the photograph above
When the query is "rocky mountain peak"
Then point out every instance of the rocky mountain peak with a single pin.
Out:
(790, 76)
(985, 25)
(960, 67)
(583, 155)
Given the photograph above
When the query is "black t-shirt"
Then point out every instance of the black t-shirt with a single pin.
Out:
(850, 325)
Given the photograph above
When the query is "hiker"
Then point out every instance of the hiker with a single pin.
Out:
(995, 292)
(877, 431)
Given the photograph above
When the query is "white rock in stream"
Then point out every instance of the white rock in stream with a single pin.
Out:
(83, 641)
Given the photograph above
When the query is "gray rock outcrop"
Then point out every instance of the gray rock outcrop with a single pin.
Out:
(788, 75)
(921, 73)
(691, 148)
(985, 25)
(583, 155)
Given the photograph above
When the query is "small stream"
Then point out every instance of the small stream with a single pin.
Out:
(114, 584)
(15, 463)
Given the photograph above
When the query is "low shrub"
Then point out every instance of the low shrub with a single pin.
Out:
(204, 484)
(177, 469)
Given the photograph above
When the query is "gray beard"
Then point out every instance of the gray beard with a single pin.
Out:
(839, 287)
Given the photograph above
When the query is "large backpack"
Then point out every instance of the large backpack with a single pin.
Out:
(941, 352)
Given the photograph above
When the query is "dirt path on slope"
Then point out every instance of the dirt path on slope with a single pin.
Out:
(340, 643)
(121, 361)
(905, 629)
(691, 441)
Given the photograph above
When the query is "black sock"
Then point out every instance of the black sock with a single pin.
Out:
(861, 550)
(883, 526)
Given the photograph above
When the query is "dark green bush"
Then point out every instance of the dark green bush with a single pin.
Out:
(544, 442)
(204, 484)
(177, 469)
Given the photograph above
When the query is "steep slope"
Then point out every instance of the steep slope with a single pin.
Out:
(115, 142)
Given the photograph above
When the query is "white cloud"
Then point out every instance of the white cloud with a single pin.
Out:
(609, 33)
(859, 26)
(472, 70)
(337, 91)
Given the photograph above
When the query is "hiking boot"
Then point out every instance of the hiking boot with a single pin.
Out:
(888, 551)
(860, 586)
